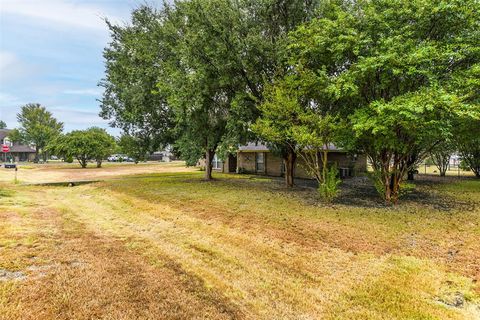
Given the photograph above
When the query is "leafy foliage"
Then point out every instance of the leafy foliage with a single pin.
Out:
(133, 147)
(205, 62)
(15, 135)
(441, 154)
(131, 99)
(328, 188)
(392, 70)
(37, 126)
(83, 145)
(3, 125)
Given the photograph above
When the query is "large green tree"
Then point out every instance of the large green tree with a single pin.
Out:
(466, 136)
(215, 57)
(131, 98)
(38, 127)
(386, 67)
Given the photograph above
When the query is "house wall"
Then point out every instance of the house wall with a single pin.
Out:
(246, 162)
(274, 164)
(225, 166)
(300, 171)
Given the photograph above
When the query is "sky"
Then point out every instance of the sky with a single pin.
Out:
(51, 53)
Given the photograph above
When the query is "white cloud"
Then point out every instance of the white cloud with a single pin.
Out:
(58, 12)
(77, 116)
(8, 100)
(13, 68)
(85, 92)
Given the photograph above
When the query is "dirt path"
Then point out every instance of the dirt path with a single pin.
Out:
(72, 172)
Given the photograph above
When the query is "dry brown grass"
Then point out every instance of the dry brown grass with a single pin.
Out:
(172, 246)
(73, 273)
(44, 173)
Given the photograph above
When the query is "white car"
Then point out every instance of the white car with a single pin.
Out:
(119, 157)
(113, 158)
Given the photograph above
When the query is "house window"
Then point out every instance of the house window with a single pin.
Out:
(217, 163)
(260, 162)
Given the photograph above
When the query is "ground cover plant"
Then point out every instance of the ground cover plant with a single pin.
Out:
(171, 245)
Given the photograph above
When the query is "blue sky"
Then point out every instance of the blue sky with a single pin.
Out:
(51, 53)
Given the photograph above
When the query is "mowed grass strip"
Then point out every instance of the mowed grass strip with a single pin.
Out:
(251, 249)
(71, 273)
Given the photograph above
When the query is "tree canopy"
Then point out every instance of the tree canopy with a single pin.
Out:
(390, 69)
(391, 79)
(210, 61)
(83, 145)
(38, 126)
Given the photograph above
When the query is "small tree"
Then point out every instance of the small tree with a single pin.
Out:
(279, 112)
(38, 127)
(133, 147)
(440, 156)
(391, 132)
(16, 136)
(314, 135)
(93, 143)
(102, 144)
(3, 125)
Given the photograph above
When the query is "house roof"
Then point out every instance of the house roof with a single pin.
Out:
(21, 148)
(15, 148)
(253, 147)
(260, 147)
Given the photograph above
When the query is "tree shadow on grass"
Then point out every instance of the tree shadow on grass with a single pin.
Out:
(360, 192)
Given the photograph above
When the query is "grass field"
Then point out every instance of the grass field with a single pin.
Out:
(172, 246)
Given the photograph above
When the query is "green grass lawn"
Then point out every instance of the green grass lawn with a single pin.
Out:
(174, 246)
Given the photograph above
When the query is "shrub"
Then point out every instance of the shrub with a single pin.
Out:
(69, 159)
(241, 170)
(328, 189)
(464, 165)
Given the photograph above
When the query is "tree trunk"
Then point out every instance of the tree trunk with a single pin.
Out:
(388, 190)
(290, 159)
(37, 150)
(83, 162)
(99, 163)
(411, 161)
(395, 187)
(324, 165)
(411, 175)
(208, 163)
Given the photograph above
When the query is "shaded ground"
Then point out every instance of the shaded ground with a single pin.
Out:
(172, 246)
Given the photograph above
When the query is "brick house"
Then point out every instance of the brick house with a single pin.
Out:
(257, 158)
(18, 152)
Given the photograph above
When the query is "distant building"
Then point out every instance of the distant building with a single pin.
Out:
(18, 152)
(455, 160)
(165, 155)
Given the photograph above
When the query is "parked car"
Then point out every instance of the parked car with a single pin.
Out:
(113, 158)
(119, 158)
